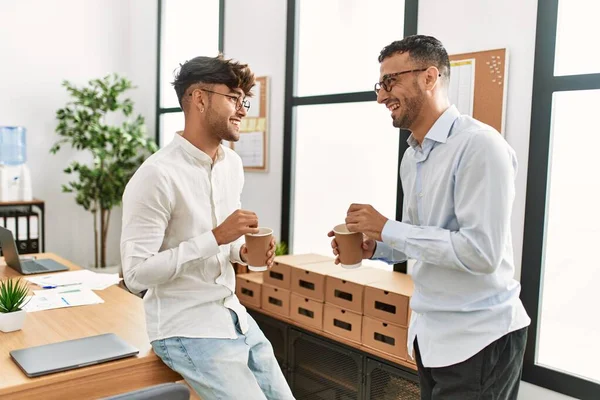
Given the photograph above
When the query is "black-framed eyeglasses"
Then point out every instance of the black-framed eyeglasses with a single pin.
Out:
(239, 100)
(389, 79)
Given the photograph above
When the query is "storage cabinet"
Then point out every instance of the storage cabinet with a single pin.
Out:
(322, 370)
(26, 220)
(319, 368)
(385, 382)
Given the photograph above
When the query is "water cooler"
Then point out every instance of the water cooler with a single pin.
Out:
(15, 179)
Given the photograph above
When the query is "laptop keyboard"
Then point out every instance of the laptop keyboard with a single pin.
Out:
(32, 266)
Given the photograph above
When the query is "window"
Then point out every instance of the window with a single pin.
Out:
(339, 144)
(182, 37)
(576, 33)
(341, 159)
(339, 41)
(560, 274)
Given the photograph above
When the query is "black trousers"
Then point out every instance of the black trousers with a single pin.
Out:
(492, 374)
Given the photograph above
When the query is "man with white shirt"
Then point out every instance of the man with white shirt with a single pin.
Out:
(182, 225)
(468, 326)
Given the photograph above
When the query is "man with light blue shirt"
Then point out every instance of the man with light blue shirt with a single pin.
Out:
(468, 327)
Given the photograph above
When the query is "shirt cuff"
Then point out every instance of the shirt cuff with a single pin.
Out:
(382, 251)
(395, 234)
(206, 245)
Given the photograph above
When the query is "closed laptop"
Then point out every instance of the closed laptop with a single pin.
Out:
(71, 354)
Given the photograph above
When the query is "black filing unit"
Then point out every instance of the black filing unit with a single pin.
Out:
(26, 220)
(318, 368)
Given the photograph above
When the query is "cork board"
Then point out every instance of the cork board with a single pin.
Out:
(490, 69)
(253, 144)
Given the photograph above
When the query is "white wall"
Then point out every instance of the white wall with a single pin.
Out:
(44, 42)
(260, 41)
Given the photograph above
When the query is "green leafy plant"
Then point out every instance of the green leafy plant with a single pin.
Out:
(117, 149)
(12, 295)
(281, 249)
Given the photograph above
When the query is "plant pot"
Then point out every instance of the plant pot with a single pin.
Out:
(12, 321)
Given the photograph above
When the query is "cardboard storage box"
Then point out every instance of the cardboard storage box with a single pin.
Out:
(276, 300)
(343, 323)
(412, 360)
(248, 288)
(306, 311)
(383, 336)
(280, 274)
(346, 288)
(309, 280)
(389, 299)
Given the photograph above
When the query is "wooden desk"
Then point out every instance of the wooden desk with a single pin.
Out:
(121, 313)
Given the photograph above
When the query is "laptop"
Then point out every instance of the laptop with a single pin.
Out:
(71, 354)
(25, 266)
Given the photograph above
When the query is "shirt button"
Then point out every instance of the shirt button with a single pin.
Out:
(421, 194)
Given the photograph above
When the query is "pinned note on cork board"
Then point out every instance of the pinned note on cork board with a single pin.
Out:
(253, 144)
(478, 83)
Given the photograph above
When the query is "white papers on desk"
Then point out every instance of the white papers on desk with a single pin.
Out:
(85, 278)
(61, 298)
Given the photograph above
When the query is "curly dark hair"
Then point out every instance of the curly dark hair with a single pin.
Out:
(213, 70)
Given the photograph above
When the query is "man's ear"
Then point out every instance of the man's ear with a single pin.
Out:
(198, 100)
(432, 77)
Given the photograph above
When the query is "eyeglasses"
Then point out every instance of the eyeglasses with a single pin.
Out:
(239, 100)
(388, 80)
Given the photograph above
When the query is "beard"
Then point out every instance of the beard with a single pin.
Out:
(221, 127)
(412, 108)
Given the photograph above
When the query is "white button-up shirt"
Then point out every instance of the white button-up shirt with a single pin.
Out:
(170, 207)
(458, 197)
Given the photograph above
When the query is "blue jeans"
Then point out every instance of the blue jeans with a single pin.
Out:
(242, 368)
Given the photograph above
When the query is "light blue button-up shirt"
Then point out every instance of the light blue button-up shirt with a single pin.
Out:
(458, 196)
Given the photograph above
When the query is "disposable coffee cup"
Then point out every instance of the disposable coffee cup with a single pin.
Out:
(349, 246)
(258, 244)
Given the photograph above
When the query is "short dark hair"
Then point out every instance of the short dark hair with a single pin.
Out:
(213, 70)
(424, 50)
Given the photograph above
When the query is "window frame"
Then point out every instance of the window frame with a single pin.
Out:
(545, 84)
(165, 110)
(411, 14)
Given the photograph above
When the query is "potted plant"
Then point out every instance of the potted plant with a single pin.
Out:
(117, 150)
(13, 297)
(281, 249)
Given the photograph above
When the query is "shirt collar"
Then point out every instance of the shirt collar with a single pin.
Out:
(441, 128)
(195, 152)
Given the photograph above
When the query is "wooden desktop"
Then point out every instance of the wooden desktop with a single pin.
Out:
(121, 313)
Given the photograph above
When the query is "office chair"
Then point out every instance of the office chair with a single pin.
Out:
(171, 391)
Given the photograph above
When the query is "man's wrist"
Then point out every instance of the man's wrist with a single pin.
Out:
(217, 236)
